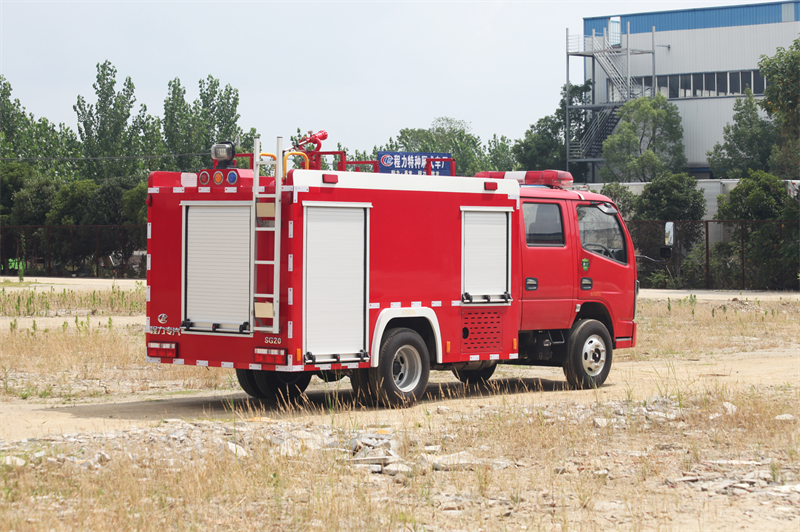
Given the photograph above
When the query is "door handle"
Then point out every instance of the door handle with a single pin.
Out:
(531, 283)
(586, 283)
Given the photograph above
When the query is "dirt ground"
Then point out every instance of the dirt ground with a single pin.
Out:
(29, 418)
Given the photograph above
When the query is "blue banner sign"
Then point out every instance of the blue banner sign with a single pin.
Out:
(398, 162)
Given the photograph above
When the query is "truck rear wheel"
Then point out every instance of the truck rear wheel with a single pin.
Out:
(279, 385)
(403, 369)
(247, 380)
(475, 376)
(589, 355)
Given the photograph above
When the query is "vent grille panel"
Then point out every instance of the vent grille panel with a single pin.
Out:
(484, 330)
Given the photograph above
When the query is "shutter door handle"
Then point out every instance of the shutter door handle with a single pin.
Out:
(586, 283)
(531, 283)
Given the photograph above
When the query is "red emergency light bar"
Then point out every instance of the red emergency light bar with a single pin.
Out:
(548, 178)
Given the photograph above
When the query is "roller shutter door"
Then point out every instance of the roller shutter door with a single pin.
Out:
(218, 266)
(485, 254)
(335, 279)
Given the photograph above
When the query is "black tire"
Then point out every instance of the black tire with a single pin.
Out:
(475, 376)
(359, 380)
(589, 355)
(403, 369)
(247, 380)
(282, 386)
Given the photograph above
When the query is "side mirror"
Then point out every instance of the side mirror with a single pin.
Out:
(669, 234)
(666, 253)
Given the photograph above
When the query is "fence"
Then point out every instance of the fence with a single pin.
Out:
(721, 254)
(74, 250)
(711, 254)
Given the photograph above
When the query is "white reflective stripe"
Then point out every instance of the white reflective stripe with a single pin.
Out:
(152, 190)
(148, 293)
(474, 357)
(513, 356)
(202, 362)
(177, 362)
(436, 303)
(177, 190)
(152, 359)
(256, 367)
(374, 305)
(494, 357)
(227, 365)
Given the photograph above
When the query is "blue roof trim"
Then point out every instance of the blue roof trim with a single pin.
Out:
(693, 19)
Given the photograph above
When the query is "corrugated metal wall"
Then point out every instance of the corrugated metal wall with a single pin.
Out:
(692, 19)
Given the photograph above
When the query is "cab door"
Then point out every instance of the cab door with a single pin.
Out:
(548, 266)
(606, 267)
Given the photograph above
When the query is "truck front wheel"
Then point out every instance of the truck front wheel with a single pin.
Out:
(279, 385)
(589, 355)
(403, 369)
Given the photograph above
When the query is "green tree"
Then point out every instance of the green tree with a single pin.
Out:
(782, 100)
(648, 142)
(13, 177)
(669, 197)
(108, 128)
(134, 208)
(212, 118)
(622, 197)
(33, 201)
(499, 155)
(544, 144)
(446, 135)
(757, 196)
(748, 142)
(70, 202)
(770, 250)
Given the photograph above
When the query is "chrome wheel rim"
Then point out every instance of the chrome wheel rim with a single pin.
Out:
(406, 368)
(594, 355)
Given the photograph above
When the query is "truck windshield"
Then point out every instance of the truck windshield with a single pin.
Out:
(601, 233)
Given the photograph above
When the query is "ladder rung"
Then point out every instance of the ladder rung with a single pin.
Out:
(266, 195)
(265, 262)
(265, 329)
(264, 295)
(265, 228)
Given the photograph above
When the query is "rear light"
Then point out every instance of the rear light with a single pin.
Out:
(232, 177)
(162, 349)
(218, 178)
(264, 355)
(205, 177)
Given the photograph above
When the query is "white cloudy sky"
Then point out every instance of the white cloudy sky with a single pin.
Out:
(362, 70)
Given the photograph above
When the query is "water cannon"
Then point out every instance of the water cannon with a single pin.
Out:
(312, 138)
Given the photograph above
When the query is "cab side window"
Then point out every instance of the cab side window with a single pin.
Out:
(601, 233)
(543, 224)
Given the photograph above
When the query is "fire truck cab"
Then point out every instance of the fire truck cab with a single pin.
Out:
(383, 278)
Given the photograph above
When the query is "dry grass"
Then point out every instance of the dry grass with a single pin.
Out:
(685, 327)
(561, 475)
(560, 469)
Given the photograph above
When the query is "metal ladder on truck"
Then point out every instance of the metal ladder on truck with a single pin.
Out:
(267, 217)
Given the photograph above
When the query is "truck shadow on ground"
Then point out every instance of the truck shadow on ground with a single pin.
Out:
(319, 399)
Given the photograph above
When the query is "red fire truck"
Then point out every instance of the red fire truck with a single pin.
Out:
(383, 278)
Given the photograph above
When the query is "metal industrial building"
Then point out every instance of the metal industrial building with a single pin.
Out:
(700, 59)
